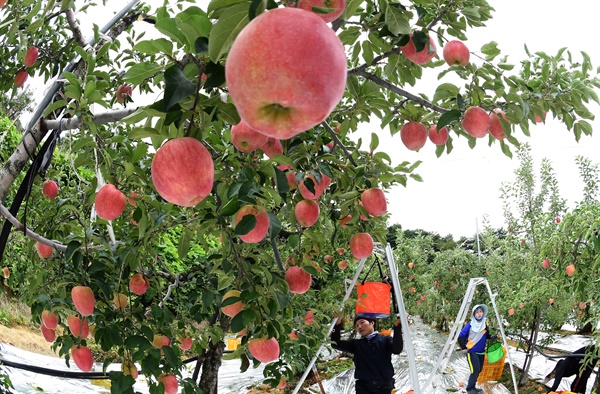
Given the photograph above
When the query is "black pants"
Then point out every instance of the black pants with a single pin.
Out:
(369, 387)
(475, 366)
(568, 367)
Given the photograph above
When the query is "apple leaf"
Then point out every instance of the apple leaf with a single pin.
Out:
(448, 118)
(374, 142)
(152, 47)
(281, 180)
(230, 207)
(274, 225)
(177, 87)
(396, 21)
(245, 225)
(139, 72)
(233, 20)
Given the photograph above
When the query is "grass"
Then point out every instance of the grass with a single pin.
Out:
(13, 312)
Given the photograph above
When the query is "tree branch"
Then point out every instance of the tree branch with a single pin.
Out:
(77, 35)
(102, 118)
(377, 59)
(393, 88)
(19, 226)
(339, 143)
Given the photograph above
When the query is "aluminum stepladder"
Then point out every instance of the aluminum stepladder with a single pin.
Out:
(449, 347)
(401, 314)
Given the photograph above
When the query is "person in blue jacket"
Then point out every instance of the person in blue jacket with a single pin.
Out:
(373, 368)
(472, 338)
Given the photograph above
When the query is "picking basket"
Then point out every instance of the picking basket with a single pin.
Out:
(492, 371)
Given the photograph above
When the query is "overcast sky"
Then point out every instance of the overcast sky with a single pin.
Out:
(460, 188)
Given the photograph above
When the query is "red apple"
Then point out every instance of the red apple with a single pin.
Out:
(132, 199)
(413, 135)
(183, 171)
(3, 3)
(343, 265)
(129, 369)
(83, 357)
(496, 129)
(345, 220)
(361, 245)
(83, 299)
(263, 349)
(298, 280)
(232, 309)
(123, 93)
(546, 263)
(31, 56)
(139, 283)
(44, 251)
(539, 119)
(297, 93)
(78, 327)
(20, 78)
(307, 212)
(49, 319)
(424, 56)
(373, 200)
(411, 264)
(557, 220)
(309, 318)
(159, 341)
(246, 139)
(318, 188)
(185, 343)
(50, 190)
(49, 334)
(551, 301)
(110, 202)
(521, 305)
(293, 336)
(169, 381)
(511, 312)
(282, 384)
(570, 269)
(272, 147)
(476, 122)
(456, 52)
(334, 8)
(291, 178)
(438, 137)
(261, 227)
(6, 272)
(120, 301)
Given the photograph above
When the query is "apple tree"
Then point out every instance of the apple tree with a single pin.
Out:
(143, 113)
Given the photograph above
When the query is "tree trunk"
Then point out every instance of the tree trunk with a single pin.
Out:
(530, 349)
(212, 362)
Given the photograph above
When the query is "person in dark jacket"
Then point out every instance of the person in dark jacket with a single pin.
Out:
(573, 366)
(373, 369)
(472, 338)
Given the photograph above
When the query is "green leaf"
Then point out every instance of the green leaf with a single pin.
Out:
(274, 225)
(448, 118)
(445, 91)
(184, 244)
(152, 47)
(224, 32)
(374, 142)
(397, 21)
(139, 72)
(245, 225)
(230, 207)
(177, 87)
(71, 248)
(168, 27)
(490, 50)
(144, 132)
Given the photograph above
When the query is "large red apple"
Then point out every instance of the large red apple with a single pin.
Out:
(49, 319)
(496, 124)
(43, 250)
(170, 383)
(50, 190)
(110, 202)
(185, 343)
(317, 186)
(78, 327)
(476, 122)
(333, 8)
(83, 357)
(259, 231)
(361, 245)
(31, 56)
(232, 309)
(48, 333)
(272, 147)
(263, 349)
(246, 139)
(286, 72)
(307, 212)
(570, 269)
(298, 280)
(373, 200)
(183, 171)
(139, 283)
(456, 52)
(438, 137)
(123, 93)
(413, 135)
(83, 299)
(345, 220)
(20, 78)
(422, 57)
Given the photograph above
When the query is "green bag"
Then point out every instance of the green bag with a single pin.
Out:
(494, 352)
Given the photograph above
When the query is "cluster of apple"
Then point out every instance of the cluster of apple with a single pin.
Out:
(31, 57)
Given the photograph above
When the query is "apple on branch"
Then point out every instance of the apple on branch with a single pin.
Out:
(232, 309)
(263, 349)
(110, 202)
(361, 245)
(328, 10)
(83, 299)
(438, 137)
(277, 81)
(456, 52)
(413, 135)
(50, 190)
(31, 56)
(423, 56)
(307, 212)
(139, 283)
(476, 122)
(298, 280)
(78, 327)
(246, 139)
(259, 231)
(374, 201)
